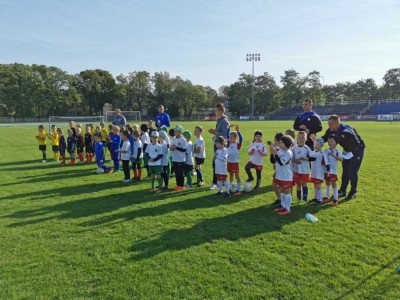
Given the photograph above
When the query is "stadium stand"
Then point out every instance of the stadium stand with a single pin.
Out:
(384, 108)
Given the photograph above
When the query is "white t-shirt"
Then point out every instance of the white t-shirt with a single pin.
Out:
(333, 163)
(221, 161)
(154, 151)
(260, 150)
(136, 146)
(165, 152)
(302, 152)
(145, 138)
(200, 144)
(284, 172)
(234, 152)
(189, 154)
(179, 156)
(126, 146)
(318, 165)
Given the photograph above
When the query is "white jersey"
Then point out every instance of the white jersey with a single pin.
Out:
(177, 155)
(136, 146)
(234, 152)
(165, 153)
(200, 144)
(126, 146)
(298, 153)
(145, 138)
(318, 165)
(260, 150)
(154, 150)
(189, 154)
(333, 163)
(284, 172)
(221, 161)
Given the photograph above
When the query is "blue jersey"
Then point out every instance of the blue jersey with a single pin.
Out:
(99, 151)
(115, 142)
(132, 142)
(163, 120)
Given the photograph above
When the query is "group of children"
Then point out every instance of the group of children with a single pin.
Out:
(166, 152)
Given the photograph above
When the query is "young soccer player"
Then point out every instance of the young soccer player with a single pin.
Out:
(55, 140)
(137, 156)
(165, 159)
(188, 158)
(126, 155)
(42, 140)
(234, 145)
(301, 155)
(80, 144)
(333, 155)
(178, 147)
(99, 151)
(319, 165)
(150, 127)
(221, 166)
(62, 145)
(284, 172)
(71, 145)
(171, 134)
(199, 154)
(108, 143)
(89, 143)
(154, 155)
(257, 151)
(115, 147)
(144, 136)
(274, 184)
(290, 132)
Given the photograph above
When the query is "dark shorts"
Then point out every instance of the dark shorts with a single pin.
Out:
(80, 150)
(89, 150)
(155, 170)
(199, 161)
(42, 147)
(188, 168)
(55, 148)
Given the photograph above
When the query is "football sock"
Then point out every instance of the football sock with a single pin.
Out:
(298, 195)
(305, 193)
(238, 186)
(328, 191)
(335, 193)
(152, 182)
(219, 184)
(226, 184)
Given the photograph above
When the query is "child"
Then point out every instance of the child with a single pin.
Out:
(164, 142)
(144, 136)
(178, 147)
(53, 136)
(126, 155)
(61, 145)
(221, 166)
(80, 144)
(301, 155)
(171, 134)
(188, 158)
(150, 127)
(99, 151)
(115, 147)
(319, 165)
(234, 145)
(71, 145)
(291, 133)
(89, 143)
(257, 151)
(154, 155)
(199, 154)
(284, 172)
(42, 140)
(135, 127)
(137, 156)
(333, 155)
(275, 185)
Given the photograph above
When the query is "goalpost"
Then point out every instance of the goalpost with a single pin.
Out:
(130, 116)
(57, 120)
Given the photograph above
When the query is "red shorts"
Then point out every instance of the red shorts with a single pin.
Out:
(274, 180)
(257, 167)
(221, 177)
(233, 168)
(285, 184)
(315, 180)
(297, 178)
(331, 178)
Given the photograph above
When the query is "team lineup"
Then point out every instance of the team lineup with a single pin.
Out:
(297, 160)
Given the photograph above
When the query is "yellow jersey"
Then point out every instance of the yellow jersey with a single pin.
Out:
(55, 138)
(104, 135)
(42, 138)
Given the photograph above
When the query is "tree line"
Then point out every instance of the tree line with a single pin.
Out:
(39, 90)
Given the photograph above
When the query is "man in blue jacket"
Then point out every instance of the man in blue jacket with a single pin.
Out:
(162, 118)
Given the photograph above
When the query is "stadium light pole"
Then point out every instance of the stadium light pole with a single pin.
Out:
(323, 80)
(253, 57)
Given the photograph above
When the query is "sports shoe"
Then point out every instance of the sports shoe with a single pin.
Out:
(110, 172)
(200, 184)
(276, 202)
(189, 186)
(256, 189)
(152, 190)
(238, 193)
(227, 195)
(218, 194)
(43, 161)
(335, 202)
(326, 200)
(351, 196)
(165, 188)
(250, 180)
(280, 208)
(213, 186)
(341, 194)
(314, 200)
(158, 191)
(285, 212)
(126, 180)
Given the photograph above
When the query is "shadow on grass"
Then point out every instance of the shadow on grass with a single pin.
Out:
(19, 163)
(240, 225)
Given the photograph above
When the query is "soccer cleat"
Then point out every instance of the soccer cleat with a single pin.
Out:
(335, 202)
(314, 200)
(218, 194)
(179, 188)
(227, 195)
(341, 194)
(238, 193)
(158, 191)
(189, 186)
(280, 208)
(256, 189)
(325, 200)
(200, 184)
(285, 212)
(276, 202)
(351, 196)
(165, 188)
(126, 180)
(213, 186)
(110, 172)
(43, 161)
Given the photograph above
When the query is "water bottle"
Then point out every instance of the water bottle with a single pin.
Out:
(311, 218)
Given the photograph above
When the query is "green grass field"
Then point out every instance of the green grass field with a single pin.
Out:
(67, 233)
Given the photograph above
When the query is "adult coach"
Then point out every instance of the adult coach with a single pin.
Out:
(221, 129)
(162, 118)
(353, 147)
(308, 121)
(119, 119)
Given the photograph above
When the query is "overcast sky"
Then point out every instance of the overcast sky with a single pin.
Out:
(205, 41)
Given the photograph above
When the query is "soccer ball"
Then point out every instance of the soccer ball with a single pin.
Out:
(99, 171)
(247, 187)
(233, 188)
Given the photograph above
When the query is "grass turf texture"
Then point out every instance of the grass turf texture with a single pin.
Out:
(68, 233)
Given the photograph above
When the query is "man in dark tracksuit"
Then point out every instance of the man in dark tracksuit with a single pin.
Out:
(350, 140)
(308, 121)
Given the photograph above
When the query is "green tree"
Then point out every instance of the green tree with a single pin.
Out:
(293, 88)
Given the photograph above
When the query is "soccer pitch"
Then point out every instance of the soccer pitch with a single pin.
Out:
(68, 233)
